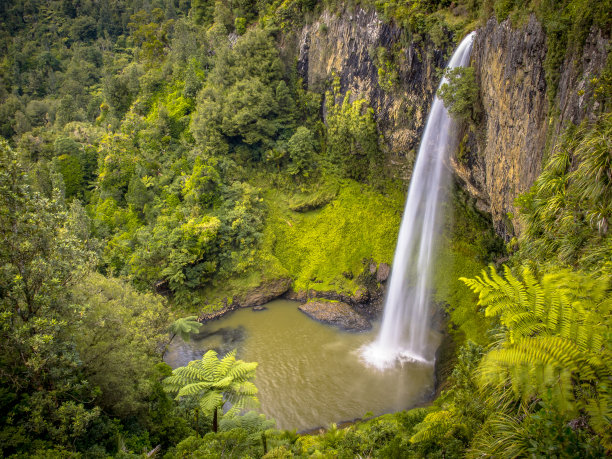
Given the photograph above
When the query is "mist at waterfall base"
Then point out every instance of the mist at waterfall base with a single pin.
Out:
(405, 330)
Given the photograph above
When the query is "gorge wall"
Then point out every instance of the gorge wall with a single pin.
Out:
(503, 155)
(518, 122)
(345, 45)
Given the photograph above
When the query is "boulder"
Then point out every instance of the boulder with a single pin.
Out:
(337, 314)
(383, 272)
(263, 293)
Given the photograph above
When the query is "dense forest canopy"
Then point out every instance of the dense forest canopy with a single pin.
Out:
(169, 147)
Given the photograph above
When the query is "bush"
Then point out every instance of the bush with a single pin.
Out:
(460, 93)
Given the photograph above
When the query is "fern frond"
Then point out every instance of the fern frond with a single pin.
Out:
(193, 389)
(212, 380)
(210, 401)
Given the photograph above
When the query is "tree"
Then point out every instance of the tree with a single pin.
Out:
(568, 210)
(352, 136)
(301, 148)
(215, 382)
(184, 327)
(120, 342)
(40, 259)
(460, 93)
(202, 11)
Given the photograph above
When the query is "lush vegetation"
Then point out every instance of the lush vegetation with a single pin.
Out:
(143, 152)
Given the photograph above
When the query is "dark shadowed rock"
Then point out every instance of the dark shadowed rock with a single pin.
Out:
(336, 313)
(301, 295)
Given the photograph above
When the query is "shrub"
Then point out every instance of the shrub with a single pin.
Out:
(460, 93)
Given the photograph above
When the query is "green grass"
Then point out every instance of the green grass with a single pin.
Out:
(317, 247)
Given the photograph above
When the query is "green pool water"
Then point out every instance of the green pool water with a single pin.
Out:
(309, 374)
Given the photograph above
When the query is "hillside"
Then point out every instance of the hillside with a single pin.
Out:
(164, 160)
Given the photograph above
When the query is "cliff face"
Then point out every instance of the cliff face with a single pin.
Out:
(504, 156)
(346, 45)
(509, 69)
(517, 125)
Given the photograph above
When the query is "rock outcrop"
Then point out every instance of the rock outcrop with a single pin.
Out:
(517, 123)
(345, 45)
(336, 313)
(263, 293)
(254, 297)
(506, 156)
(509, 69)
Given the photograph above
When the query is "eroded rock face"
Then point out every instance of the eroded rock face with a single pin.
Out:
(505, 159)
(509, 68)
(344, 44)
(383, 272)
(336, 313)
(517, 125)
(575, 94)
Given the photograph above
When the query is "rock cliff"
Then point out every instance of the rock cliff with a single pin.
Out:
(504, 154)
(518, 122)
(509, 69)
(346, 45)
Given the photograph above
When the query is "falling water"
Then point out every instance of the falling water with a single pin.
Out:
(404, 333)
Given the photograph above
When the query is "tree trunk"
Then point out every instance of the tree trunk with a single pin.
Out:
(215, 426)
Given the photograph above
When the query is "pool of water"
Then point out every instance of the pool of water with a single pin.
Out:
(309, 374)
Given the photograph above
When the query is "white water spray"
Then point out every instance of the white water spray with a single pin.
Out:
(404, 333)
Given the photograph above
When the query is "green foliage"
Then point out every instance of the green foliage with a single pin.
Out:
(202, 187)
(122, 334)
(555, 343)
(202, 11)
(242, 105)
(459, 411)
(240, 25)
(568, 209)
(459, 93)
(352, 137)
(41, 259)
(214, 382)
(387, 70)
(185, 326)
(301, 147)
(150, 32)
(159, 127)
(316, 247)
(545, 433)
(467, 244)
(72, 172)
(311, 201)
(253, 422)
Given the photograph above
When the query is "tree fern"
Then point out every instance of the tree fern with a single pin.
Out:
(434, 425)
(214, 382)
(567, 212)
(185, 326)
(556, 344)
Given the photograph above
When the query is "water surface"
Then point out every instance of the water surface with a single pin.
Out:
(309, 374)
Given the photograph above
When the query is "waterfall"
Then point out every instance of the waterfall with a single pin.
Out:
(405, 328)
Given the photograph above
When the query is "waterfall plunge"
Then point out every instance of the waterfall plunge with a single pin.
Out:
(405, 327)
